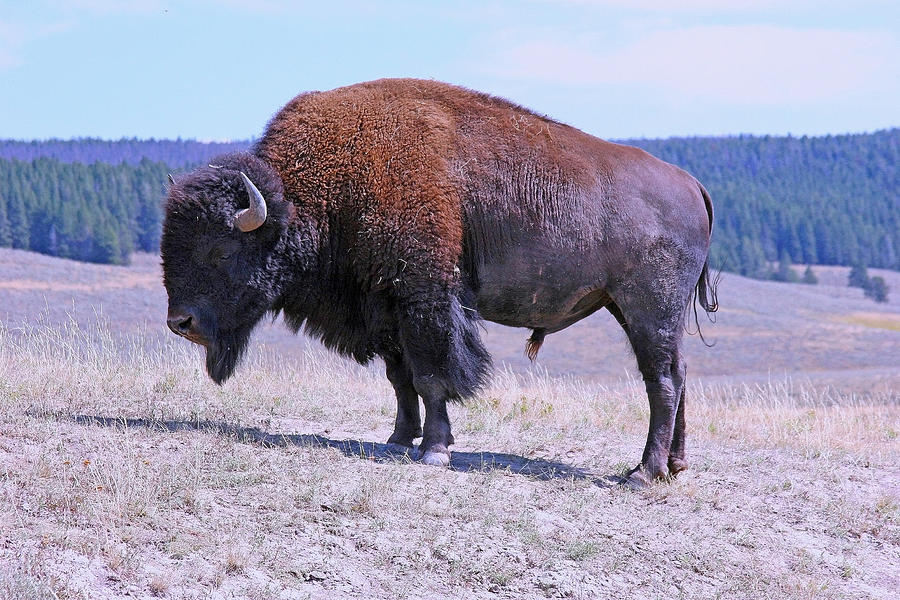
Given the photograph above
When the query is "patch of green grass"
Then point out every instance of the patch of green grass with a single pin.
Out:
(582, 549)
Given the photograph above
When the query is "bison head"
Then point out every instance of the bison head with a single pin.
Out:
(223, 255)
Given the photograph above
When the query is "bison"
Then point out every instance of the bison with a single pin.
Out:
(386, 218)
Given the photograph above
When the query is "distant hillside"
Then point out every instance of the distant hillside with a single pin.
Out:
(832, 200)
(764, 328)
(96, 213)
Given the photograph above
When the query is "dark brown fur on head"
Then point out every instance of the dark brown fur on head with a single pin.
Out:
(224, 279)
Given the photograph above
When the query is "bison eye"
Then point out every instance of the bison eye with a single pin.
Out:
(218, 255)
(220, 251)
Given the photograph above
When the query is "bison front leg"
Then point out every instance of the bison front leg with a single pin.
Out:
(448, 363)
(437, 438)
(408, 424)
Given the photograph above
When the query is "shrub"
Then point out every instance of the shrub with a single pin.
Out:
(859, 277)
(877, 289)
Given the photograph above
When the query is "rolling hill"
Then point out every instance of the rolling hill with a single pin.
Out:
(825, 200)
(764, 329)
(124, 472)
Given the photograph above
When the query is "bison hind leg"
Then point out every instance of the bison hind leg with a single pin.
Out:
(654, 328)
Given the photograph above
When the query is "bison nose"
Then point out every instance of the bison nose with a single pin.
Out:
(181, 322)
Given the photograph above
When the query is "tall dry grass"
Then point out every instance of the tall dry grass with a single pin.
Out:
(790, 493)
(46, 368)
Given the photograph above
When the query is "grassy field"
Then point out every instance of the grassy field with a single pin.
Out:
(124, 472)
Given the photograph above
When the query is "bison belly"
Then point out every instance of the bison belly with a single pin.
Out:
(541, 286)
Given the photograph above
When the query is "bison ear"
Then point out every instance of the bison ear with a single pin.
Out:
(253, 217)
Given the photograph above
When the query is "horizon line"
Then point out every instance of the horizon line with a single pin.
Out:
(250, 140)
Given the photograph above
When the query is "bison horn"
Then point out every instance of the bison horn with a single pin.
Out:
(251, 218)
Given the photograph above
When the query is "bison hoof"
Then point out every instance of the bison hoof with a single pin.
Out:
(641, 477)
(436, 459)
(404, 438)
(636, 480)
(436, 456)
(677, 465)
(399, 449)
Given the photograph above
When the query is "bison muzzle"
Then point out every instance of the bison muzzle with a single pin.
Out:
(387, 218)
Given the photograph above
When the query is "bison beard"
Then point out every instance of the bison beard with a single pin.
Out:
(224, 354)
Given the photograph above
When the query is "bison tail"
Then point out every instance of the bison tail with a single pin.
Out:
(707, 293)
(708, 289)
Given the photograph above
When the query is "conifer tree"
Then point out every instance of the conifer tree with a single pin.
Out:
(809, 277)
(5, 231)
(784, 271)
(18, 223)
(858, 277)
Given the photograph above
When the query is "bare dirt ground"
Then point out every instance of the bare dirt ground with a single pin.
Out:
(125, 473)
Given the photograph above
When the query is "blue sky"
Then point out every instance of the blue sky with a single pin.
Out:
(644, 68)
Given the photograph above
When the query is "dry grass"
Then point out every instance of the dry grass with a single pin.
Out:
(876, 320)
(793, 492)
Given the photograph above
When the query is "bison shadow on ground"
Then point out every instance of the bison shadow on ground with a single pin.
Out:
(385, 453)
